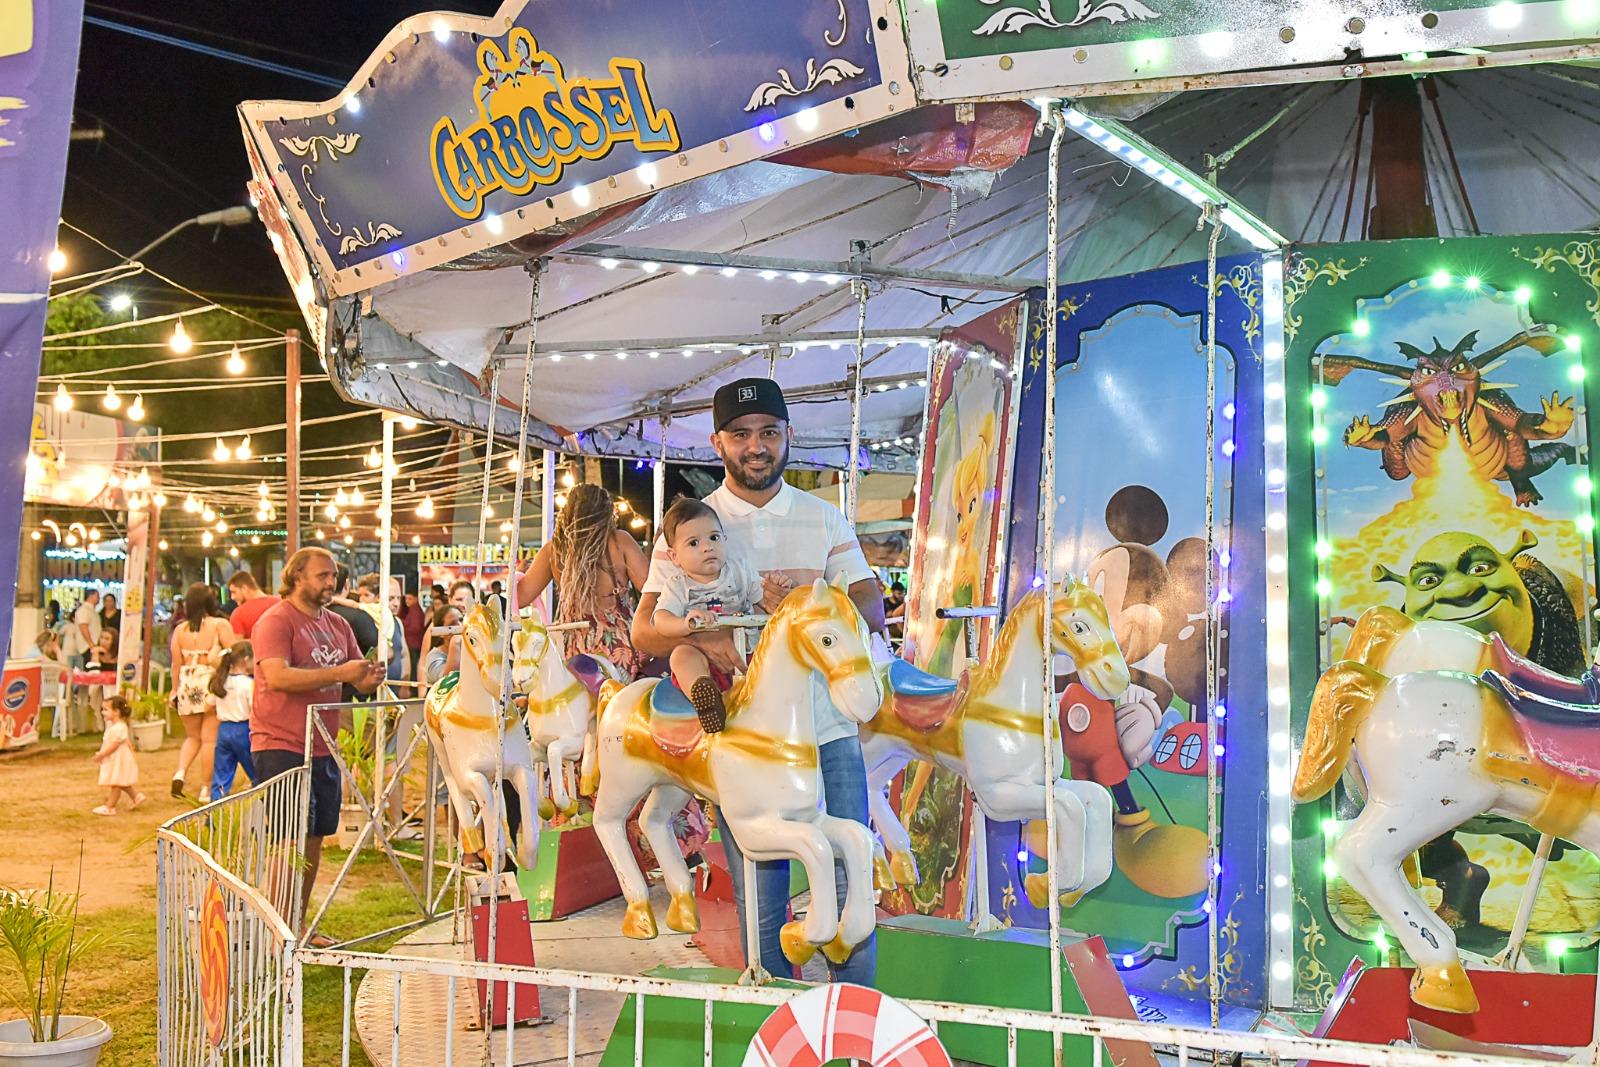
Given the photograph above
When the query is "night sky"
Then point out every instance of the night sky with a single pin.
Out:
(172, 147)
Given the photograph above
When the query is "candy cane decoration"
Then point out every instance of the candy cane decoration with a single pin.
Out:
(845, 1022)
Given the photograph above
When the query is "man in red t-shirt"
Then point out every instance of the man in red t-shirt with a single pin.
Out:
(304, 653)
(252, 603)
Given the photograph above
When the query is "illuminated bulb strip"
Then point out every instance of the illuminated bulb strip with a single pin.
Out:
(1114, 138)
(1280, 875)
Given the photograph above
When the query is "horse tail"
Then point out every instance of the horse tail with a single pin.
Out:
(1344, 697)
(589, 779)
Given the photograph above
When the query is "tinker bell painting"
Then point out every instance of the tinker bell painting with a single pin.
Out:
(953, 564)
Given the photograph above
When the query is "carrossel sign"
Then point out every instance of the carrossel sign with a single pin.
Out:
(462, 132)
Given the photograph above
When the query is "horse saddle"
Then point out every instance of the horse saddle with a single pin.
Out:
(923, 701)
(1528, 676)
(590, 670)
(674, 724)
(1562, 734)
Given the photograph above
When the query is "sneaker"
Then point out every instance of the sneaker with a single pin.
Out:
(103, 810)
(707, 701)
(205, 796)
(177, 787)
(138, 800)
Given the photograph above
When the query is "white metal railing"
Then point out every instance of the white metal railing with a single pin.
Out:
(228, 884)
(1188, 1044)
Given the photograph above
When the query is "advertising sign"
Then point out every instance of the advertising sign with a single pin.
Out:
(76, 457)
(971, 48)
(463, 132)
(19, 703)
(38, 71)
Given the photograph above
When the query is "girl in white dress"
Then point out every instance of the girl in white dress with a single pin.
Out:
(119, 770)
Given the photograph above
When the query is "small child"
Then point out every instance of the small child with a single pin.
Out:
(231, 693)
(709, 580)
(119, 770)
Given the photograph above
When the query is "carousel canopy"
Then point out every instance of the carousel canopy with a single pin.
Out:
(648, 302)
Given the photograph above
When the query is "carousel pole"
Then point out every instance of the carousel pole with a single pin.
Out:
(488, 470)
(536, 274)
(853, 472)
(658, 480)
(385, 546)
(1213, 853)
(1046, 557)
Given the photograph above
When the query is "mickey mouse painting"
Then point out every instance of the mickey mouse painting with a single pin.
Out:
(1157, 610)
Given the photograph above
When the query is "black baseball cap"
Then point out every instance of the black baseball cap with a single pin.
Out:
(748, 396)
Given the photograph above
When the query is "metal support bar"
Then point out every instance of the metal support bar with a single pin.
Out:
(820, 269)
(853, 472)
(800, 341)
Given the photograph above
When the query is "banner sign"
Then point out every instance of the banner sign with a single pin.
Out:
(73, 457)
(462, 132)
(972, 48)
(38, 70)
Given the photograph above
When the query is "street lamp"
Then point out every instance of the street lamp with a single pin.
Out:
(228, 216)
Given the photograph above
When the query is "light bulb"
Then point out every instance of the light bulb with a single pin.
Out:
(220, 453)
(37, 535)
(341, 498)
(63, 400)
(243, 451)
(180, 341)
(235, 362)
(357, 498)
(344, 522)
(208, 516)
(561, 500)
(221, 526)
(416, 539)
(374, 458)
(114, 480)
(111, 401)
(349, 540)
(72, 540)
(206, 538)
(120, 302)
(159, 500)
(136, 409)
(637, 523)
(406, 422)
(190, 504)
(262, 490)
(234, 552)
(425, 509)
(513, 463)
(568, 481)
(318, 534)
(57, 261)
(162, 544)
(255, 540)
(94, 534)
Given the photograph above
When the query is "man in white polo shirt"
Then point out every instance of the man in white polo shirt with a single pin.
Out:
(792, 538)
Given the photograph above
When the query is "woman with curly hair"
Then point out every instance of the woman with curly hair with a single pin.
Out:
(592, 564)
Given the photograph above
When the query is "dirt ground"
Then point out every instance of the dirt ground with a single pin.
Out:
(49, 792)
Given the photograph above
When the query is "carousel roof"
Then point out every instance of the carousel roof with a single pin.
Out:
(646, 307)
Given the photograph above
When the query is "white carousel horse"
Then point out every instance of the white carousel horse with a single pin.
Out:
(1437, 747)
(989, 728)
(762, 770)
(560, 708)
(461, 712)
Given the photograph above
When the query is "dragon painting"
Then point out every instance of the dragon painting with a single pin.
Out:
(1445, 391)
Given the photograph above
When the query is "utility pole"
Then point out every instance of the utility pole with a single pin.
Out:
(291, 408)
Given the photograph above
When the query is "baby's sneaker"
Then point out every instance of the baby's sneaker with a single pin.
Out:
(707, 701)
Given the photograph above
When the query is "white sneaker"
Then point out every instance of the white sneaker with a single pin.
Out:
(205, 796)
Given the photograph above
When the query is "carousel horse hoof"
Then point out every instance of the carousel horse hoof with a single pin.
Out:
(903, 865)
(1037, 886)
(837, 951)
(472, 839)
(882, 876)
(1444, 988)
(1162, 859)
(683, 916)
(547, 809)
(1070, 900)
(640, 922)
(796, 949)
(589, 782)
(572, 806)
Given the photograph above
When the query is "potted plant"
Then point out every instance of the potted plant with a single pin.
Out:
(357, 750)
(39, 943)
(149, 726)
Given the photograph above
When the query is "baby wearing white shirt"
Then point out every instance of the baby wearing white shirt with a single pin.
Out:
(709, 578)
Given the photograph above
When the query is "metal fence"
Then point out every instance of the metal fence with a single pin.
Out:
(228, 883)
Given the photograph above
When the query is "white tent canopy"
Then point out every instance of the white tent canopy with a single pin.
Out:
(1524, 141)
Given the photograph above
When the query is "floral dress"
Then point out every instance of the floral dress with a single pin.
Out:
(608, 635)
(190, 691)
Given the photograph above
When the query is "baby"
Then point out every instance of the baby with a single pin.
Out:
(708, 580)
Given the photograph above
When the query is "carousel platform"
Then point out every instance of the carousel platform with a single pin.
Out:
(589, 940)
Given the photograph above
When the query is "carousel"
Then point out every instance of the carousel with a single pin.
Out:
(1246, 704)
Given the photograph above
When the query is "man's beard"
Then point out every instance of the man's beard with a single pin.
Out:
(766, 481)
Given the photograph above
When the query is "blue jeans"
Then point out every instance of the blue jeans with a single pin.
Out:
(844, 784)
(233, 751)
